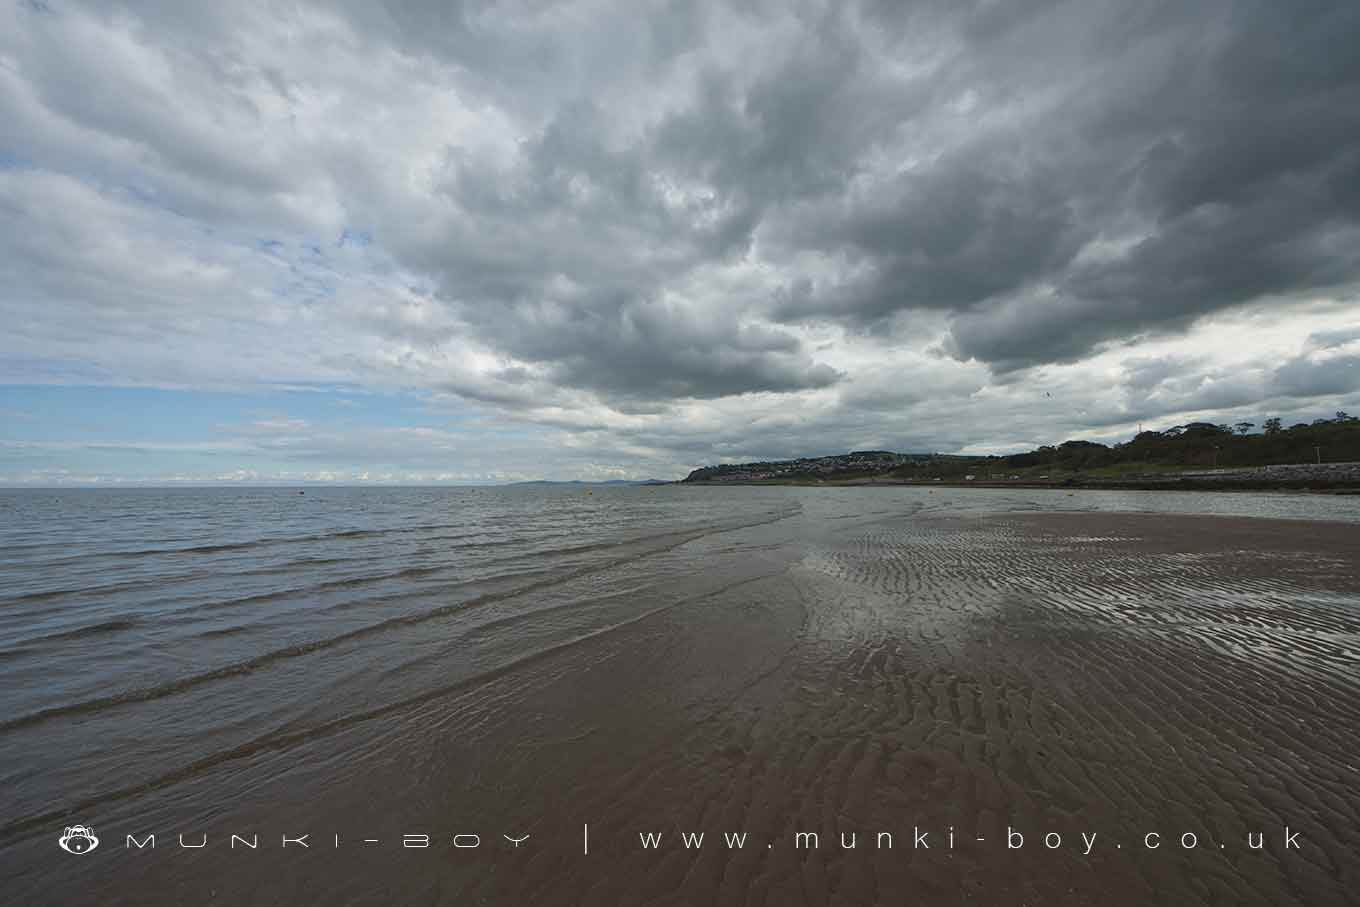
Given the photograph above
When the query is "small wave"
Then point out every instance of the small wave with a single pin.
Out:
(282, 740)
(109, 626)
(221, 631)
(161, 691)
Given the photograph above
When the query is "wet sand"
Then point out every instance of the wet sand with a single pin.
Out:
(1102, 674)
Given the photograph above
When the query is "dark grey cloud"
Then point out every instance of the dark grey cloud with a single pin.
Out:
(1169, 166)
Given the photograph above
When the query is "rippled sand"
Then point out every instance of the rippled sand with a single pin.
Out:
(1107, 674)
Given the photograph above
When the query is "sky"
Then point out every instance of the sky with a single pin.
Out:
(362, 241)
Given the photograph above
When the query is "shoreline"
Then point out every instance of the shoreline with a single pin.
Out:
(1338, 477)
(1179, 484)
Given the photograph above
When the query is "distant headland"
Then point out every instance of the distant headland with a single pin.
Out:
(1321, 455)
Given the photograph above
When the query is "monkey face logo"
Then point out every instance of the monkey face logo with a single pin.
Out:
(78, 839)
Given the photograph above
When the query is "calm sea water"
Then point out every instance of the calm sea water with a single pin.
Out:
(148, 637)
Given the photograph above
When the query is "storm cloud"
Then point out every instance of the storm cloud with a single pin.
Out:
(673, 232)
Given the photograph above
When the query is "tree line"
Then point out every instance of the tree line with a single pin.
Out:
(1205, 444)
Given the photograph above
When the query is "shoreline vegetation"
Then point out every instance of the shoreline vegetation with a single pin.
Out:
(1321, 456)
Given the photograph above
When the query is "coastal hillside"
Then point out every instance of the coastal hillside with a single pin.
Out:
(861, 462)
(1323, 451)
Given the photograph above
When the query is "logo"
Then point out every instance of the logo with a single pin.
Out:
(78, 839)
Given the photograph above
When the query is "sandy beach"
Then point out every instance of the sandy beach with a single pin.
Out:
(989, 681)
(1110, 674)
